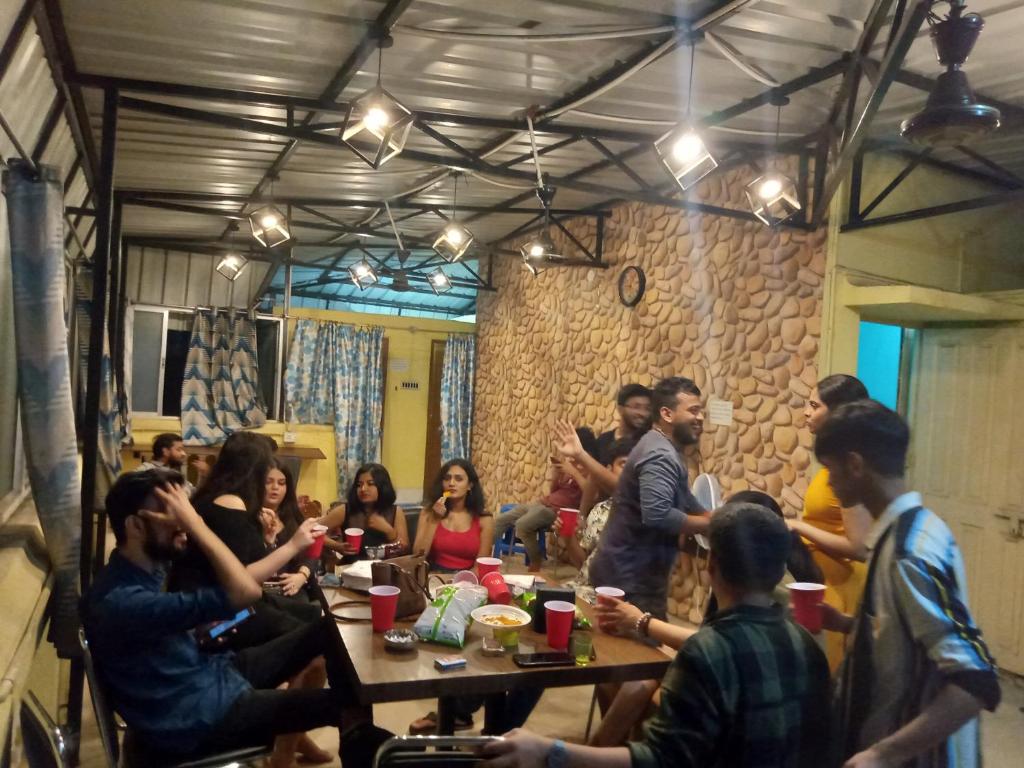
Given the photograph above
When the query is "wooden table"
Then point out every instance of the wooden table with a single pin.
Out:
(382, 675)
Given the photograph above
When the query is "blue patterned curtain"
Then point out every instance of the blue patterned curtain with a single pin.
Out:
(113, 422)
(457, 396)
(220, 393)
(35, 209)
(335, 377)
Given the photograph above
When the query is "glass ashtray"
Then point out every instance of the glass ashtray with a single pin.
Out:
(400, 640)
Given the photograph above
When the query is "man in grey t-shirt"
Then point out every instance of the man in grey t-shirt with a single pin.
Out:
(653, 503)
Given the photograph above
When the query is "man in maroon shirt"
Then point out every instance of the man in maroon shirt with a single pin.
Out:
(564, 490)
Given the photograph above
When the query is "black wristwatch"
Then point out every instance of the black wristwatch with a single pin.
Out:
(558, 755)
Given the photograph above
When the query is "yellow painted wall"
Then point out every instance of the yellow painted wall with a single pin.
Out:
(405, 410)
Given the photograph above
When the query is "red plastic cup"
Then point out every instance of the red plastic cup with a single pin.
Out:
(354, 536)
(497, 589)
(314, 550)
(806, 597)
(485, 565)
(570, 519)
(383, 604)
(559, 615)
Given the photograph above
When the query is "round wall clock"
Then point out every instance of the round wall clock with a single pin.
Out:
(632, 282)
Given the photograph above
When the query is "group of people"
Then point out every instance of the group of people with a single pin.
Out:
(902, 680)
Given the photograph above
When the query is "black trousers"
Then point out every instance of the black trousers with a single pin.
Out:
(264, 711)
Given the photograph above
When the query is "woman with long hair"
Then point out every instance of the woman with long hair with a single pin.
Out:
(835, 535)
(231, 501)
(280, 518)
(455, 529)
(370, 505)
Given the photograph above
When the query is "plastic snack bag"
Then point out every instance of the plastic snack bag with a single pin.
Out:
(447, 616)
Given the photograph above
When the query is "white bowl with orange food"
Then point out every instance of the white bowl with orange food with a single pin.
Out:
(504, 620)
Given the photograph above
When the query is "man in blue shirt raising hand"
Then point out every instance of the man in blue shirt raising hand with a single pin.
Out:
(175, 698)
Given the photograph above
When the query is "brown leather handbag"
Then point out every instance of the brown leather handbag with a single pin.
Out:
(411, 574)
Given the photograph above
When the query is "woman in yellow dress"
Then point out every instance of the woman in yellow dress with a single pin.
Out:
(835, 536)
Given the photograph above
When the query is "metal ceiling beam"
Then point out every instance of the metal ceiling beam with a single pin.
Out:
(1001, 198)
(907, 150)
(567, 182)
(57, 49)
(619, 163)
(133, 196)
(851, 142)
(335, 299)
(15, 34)
(380, 27)
(888, 189)
(993, 166)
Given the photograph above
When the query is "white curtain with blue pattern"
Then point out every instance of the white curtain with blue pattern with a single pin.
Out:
(220, 393)
(457, 396)
(335, 376)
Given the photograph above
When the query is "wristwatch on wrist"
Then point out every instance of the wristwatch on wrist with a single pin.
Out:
(558, 755)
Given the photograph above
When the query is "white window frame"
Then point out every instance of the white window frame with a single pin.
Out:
(165, 311)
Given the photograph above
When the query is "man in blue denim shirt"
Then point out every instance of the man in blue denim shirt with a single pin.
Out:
(174, 697)
(653, 503)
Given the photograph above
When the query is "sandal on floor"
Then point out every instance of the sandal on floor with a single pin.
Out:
(428, 724)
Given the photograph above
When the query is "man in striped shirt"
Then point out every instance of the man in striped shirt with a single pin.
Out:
(918, 672)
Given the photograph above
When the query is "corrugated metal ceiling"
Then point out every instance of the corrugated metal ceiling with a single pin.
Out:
(296, 48)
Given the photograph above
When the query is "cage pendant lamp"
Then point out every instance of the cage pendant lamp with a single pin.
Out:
(362, 274)
(439, 281)
(454, 239)
(270, 226)
(232, 265)
(772, 196)
(682, 150)
(376, 124)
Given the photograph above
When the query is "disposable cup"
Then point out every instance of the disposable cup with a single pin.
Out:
(603, 592)
(497, 589)
(805, 598)
(383, 604)
(485, 565)
(354, 537)
(559, 615)
(314, 550)
(465, 577)
(570, 519)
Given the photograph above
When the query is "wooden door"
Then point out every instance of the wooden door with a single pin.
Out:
(967, 453)
(432, 453)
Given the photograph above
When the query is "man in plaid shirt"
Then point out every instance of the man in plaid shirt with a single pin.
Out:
(749, 689)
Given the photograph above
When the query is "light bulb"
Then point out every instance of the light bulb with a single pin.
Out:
(376, 118)
(231, 261)
(269, 221)
(769, 188)
(362, 270)
(536, 250)
(688, 147)
(440, 279)
(454, 235)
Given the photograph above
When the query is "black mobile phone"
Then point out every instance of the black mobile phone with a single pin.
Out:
(552, 659)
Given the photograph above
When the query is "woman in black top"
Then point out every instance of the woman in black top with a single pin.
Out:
(280, 518)
(370, 505)
(230, 501)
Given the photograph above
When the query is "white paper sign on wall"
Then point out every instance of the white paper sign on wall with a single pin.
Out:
(720, 412)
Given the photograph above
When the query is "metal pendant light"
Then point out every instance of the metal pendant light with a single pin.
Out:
(232, 265)
(362, 274)
(772, 196)
(376, 124)
(269, 224)
(682, 150)
(540, 249)
(455, 239)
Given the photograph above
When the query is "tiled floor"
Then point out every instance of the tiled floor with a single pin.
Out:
(562, 712)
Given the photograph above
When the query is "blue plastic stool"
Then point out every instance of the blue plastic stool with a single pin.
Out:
(508, 544)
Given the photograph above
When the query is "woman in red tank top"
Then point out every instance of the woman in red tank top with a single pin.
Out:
(456, 529)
